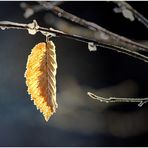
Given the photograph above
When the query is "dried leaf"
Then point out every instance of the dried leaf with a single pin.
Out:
(40, 77)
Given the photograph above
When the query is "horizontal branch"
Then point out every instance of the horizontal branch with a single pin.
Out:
(114, 99)
(34, 28)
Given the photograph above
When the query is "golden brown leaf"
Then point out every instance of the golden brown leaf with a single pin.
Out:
(40, 77)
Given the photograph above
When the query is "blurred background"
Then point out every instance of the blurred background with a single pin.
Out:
(79, 120)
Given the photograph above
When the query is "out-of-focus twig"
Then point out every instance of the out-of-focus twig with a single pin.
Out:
(32, 9)
(125, 7)
(115, 99)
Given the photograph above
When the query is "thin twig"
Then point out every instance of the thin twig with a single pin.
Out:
(35, 27)
(125, 6)
(114, 99)
(13, 25)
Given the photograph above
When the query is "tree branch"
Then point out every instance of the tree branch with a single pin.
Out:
(34, 27)
(114, 99)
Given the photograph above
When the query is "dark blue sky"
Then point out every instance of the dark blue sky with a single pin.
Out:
(79, 121)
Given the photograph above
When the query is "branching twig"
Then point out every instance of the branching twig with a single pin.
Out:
(125, 6)
(114, 99)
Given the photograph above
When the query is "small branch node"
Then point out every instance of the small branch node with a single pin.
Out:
(92, 46)
(33, 27)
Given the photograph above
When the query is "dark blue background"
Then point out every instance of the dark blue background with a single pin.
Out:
(79, 121)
